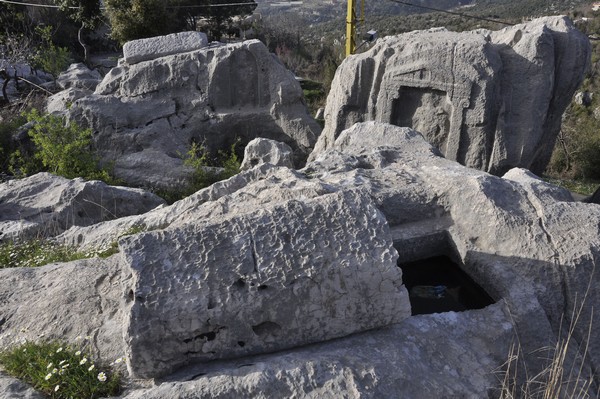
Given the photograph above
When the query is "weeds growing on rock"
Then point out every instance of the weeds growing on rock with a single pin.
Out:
(35, 253)
(206, 171)
(60, 370)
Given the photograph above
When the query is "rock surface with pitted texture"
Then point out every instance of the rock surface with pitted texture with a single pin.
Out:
(146, 115)
(488, 100)
(296, 273)
(45, 205)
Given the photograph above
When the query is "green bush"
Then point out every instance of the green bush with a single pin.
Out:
(49, 57)
(64, 149)
(7, 130)
(577, 151)
(230, 161)
(207, 172)
(60, 371)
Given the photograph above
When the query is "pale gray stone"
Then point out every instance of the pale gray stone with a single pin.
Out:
(430, 356)
(45, 205)
(79, 76)
(524, 241)
(66, 302)
(11, 388)
(584, 98)
(280, 277)
(541, 190)
(260, 151)
(320, 113)
(488, 100)
(215, 95)
(60, 102)
(155, 47)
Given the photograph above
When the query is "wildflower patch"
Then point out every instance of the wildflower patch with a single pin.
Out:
(60, 371)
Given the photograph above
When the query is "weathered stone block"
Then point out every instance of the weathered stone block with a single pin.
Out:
(280, 277)
(154, 47)
(260, 151)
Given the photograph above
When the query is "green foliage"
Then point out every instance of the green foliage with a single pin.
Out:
(64, 149)
(230, 162)
(314, 95)
(583, 187)
(577, 151)
(36, 253)
(86, 12)
(7, 130)
(206, 170)
(49, 57)
(220, 18)
(14, 19)
(204, 175)
(60, 371)
(136, 19)
(40, 252)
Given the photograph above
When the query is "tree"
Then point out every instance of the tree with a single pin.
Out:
(85, 12)
(136, 19)
(14, 20)
(220, 14)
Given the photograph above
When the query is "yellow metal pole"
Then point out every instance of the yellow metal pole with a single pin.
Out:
(351, 28)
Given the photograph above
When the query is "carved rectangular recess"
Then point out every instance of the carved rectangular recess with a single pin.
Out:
(432, 272)
(438, 284)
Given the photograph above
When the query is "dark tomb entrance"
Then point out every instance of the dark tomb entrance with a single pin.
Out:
(438, 285)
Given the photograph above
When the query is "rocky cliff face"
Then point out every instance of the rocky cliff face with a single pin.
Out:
(489, 100)
(177, 89)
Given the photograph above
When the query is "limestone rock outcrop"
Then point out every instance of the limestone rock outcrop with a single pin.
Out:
(70, 302)
(434, 356)
(45, 205)
(145, 114)
(488, 100)
(79, 76)
(212, 271)
(260, 151)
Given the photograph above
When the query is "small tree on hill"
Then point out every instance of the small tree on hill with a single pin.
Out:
(136, 19)
(85, 12)
(220, 14)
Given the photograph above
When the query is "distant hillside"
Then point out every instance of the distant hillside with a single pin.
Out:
(326, 10)
(315, 11)
(326, 17)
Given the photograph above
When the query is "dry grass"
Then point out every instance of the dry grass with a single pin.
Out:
(563, 374)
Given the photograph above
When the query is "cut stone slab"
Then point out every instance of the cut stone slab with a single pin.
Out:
(154, 47)
(297, 273)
